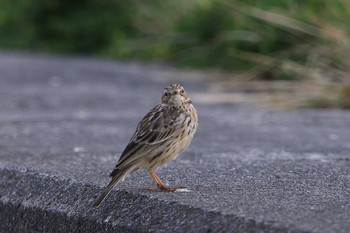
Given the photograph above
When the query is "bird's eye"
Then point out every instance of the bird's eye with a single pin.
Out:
(182, 91)
(166, 94)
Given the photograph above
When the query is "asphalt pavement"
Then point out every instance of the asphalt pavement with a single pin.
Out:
(65, 120)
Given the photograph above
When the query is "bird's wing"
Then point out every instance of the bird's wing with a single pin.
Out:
(158, 126)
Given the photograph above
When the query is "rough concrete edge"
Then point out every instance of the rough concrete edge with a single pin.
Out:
(31, 201)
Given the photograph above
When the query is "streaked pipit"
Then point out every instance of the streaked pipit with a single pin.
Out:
(165, 132)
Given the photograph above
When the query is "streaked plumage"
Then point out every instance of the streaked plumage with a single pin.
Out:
(163, 133)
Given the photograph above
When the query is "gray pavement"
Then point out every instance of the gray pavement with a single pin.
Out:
(65, 120)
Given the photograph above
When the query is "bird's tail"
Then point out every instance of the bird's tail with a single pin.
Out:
(115, 180)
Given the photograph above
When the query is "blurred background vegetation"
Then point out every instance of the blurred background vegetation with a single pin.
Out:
(300, 48)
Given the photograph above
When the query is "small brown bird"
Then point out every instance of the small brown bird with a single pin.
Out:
(165, 132)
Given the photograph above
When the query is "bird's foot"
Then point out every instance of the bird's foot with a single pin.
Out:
(170, 189)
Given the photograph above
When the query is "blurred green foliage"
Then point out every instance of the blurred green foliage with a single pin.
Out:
(82, 26)
(269, 37)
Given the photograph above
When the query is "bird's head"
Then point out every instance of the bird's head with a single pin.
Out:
(175, 95)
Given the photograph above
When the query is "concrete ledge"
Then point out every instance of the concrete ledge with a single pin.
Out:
(40, 203)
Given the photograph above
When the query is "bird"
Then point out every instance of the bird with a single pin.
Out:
(162, 134)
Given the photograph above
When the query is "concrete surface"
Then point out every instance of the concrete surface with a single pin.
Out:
(65, 120)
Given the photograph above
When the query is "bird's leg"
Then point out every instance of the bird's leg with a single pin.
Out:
(160, 184)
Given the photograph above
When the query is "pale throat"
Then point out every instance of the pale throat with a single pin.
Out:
(176, 100)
